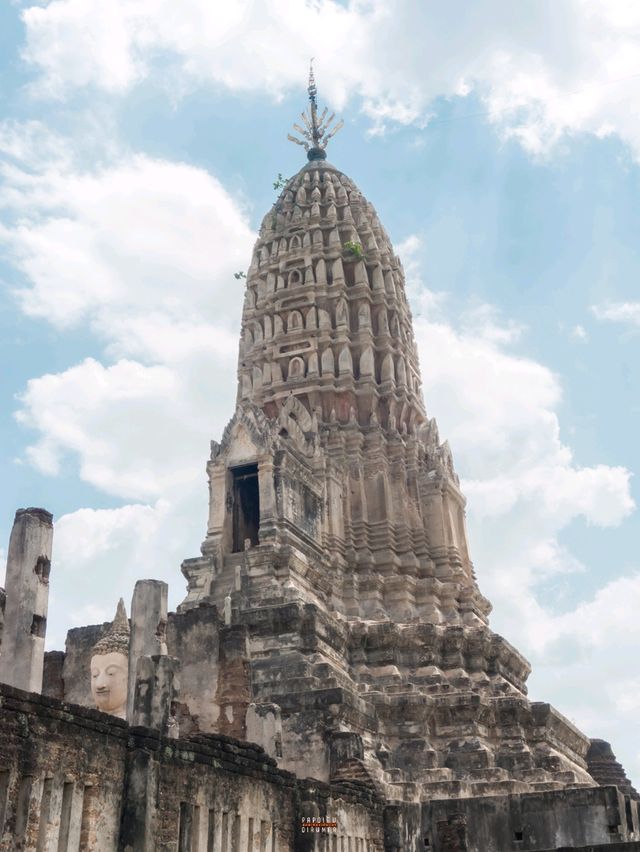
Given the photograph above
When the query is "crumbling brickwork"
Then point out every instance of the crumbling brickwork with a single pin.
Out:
(77, 778)
(62, 771)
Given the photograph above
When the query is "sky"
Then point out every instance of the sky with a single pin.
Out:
(500, 145)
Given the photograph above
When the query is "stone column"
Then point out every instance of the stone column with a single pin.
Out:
(452, 833)
(234, 680)
(264, 726)
(217, 498)
(27, 589)
(154, 693)
(343, 745)
(268, 509)
(148, 629)
(139, 812)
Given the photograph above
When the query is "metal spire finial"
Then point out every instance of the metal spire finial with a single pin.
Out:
(316, 131)
(311, 88)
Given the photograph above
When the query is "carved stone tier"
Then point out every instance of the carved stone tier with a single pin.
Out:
(326, 316)
(376, 518)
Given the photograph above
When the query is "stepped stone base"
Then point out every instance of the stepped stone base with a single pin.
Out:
(605, 769)
(433, 717)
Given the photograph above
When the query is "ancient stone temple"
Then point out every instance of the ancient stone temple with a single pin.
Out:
(330, 681)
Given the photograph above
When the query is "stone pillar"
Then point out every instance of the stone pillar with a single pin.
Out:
(217, 498)
(307, 810)
(452, 833)
(268, 508)
(404, 827)
(392, 821)
(234, 680)
(138, 822)
(264, 726)
(155, 689)
(27, 589)
(148, 629)
(343, 745)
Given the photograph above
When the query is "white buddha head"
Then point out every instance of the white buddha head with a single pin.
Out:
(110, 666)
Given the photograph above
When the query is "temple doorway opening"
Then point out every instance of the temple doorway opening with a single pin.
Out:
(246, 506)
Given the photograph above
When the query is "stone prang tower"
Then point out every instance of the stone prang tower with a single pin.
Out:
(330, 681)
(337, 527)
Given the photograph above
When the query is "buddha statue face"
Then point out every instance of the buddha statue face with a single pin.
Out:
(110, 666)
(109, 674)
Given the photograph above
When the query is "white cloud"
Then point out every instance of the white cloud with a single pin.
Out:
(31, 142)
(579, 333)
(610, 617)
(80, 42)
(627, 313)
(99, 554)
(587, 660)
(133, 248)
(135, 431)
(544, 71)
(88, 534)
(142, 252)
(627, 697)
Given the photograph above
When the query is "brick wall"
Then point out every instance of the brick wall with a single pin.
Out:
(73, 778)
